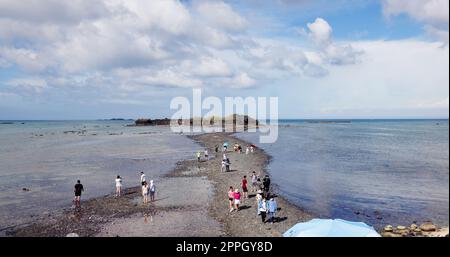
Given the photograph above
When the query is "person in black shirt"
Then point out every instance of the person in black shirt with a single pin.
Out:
(266, 184)
(78, 188)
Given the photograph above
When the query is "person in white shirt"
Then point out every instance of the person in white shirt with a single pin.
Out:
(224, 166)
(143, 178)
(118, 185)
(152, 189)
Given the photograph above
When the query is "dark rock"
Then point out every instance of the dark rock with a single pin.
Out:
(150, 122)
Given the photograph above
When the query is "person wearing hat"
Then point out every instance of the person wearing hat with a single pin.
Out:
(237, 199)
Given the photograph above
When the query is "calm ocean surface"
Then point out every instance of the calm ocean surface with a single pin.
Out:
(377, 171)
(48, 157)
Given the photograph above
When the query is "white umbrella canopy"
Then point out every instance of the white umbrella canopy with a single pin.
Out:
(331, 228)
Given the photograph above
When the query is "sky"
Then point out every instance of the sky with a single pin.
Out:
(95, 59)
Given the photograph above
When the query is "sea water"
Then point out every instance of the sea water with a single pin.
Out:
(48, 157)
(377, 171)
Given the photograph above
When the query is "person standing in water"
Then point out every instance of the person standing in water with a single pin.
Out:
(118, 186)
(78, 188)
(152, 191)
(145, 189)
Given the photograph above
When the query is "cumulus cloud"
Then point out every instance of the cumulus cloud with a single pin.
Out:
(131, 45)
(320, 33)
(52, 11)
(221, 15)
(433, 13)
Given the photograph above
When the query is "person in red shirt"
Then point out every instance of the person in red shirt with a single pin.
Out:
(244, 187)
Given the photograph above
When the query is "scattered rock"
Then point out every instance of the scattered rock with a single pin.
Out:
(25, 189)
(388, 228)
(413, 226)
(417, 230)
(389, 234)
(401, 227)
(428, 227)
(72, 235)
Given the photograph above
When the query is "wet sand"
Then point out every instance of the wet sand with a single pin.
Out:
(190, 201)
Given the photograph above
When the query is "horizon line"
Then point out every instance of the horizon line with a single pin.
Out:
(125, 119)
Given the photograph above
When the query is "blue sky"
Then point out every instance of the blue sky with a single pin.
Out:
(92, 59)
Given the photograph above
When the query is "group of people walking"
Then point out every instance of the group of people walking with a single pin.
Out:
(148, 189)
(266, 204)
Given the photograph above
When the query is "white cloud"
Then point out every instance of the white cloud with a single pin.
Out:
(28, 85)
(242, 80)
(125, 49)
(51, 11)
(320, 33)
(433, 13)
(407, 78)
(123, 101)
(165, 78)
(221, 15)
(128, 45)
(428, 11)
(207, 67)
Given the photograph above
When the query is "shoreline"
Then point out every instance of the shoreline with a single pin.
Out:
(191, 201)
(110, 216)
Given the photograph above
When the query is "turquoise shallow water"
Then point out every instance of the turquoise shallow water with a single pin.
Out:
(49, 156)
(377, 171)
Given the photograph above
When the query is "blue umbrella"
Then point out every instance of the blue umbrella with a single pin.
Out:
(331, 228)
